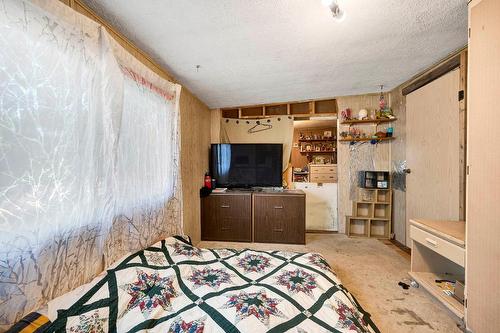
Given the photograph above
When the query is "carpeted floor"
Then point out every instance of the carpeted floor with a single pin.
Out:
(371, 270)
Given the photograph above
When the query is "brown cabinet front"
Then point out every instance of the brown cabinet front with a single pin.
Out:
(279, 218)
(227, 217)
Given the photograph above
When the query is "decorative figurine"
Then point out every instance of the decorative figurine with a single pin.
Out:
(363, 114)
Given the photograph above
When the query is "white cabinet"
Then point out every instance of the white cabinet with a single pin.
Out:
(323, 173)
(321, 206)
(438, 253)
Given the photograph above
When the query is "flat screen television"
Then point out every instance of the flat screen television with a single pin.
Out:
(247, 165)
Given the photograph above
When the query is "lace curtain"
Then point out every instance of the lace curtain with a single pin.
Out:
(89, 154)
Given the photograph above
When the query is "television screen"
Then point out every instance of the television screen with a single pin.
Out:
(247, 165)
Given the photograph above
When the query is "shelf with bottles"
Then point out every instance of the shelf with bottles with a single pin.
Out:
(358, 135)
(313, 135)
(368, 121)
(317, 146)
(318, 140)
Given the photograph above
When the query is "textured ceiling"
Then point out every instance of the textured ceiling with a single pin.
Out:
(263, 51)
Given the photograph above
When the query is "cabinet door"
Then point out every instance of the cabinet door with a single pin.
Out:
(482, 270)
(279, 219)
(226, 218)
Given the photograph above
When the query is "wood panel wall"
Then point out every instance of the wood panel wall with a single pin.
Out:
(195, 128)
(346, 159)
(398, 156)
(195, 144)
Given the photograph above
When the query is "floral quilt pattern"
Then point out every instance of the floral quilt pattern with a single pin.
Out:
(297, 280)
(209, 277)
(256, 304)
(175, 287)
(254, 263)
(149, 291)
(180, 326)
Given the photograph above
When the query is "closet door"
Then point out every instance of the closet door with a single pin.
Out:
(433, 150)
(483, 181)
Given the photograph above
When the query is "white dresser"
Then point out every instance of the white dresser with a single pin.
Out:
(438, 253)
(323, 173)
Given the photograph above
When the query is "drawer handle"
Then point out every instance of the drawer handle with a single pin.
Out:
(278, 207)
(225, 206)
(225, 228)
(278, 230)
(431, 241)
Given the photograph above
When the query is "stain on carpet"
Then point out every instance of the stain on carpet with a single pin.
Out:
(416, 319)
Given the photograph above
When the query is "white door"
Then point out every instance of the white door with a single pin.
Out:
(432, 150)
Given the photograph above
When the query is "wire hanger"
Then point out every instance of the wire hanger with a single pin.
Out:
(256, 128)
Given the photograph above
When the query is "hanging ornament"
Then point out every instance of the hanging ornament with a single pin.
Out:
(382, 99)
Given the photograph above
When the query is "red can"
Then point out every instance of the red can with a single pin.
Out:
(208, 181)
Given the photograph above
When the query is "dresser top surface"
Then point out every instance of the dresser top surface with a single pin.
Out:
(266, 192)
(452, 230)
(323, 165)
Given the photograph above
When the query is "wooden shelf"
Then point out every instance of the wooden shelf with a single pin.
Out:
(368, 121)
(318, 152)
(316, 140)
(367, 139)
(357, 235)
(427, 281)
(380, 218)
(309, 108)
(368, 208)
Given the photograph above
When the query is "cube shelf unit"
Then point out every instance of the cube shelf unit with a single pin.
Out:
(296, 109)
(372, 214)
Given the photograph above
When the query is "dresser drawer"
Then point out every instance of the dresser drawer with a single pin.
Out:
(279, 219)
(231, 205)
(323, 178)
(226, 217)
(443, 247)
(323, 169)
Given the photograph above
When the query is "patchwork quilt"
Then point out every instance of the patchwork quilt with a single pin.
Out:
(175, 287)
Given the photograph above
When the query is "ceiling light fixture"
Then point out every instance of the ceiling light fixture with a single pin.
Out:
(337, 12)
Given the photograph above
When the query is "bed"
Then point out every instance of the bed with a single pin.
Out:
(173, 286)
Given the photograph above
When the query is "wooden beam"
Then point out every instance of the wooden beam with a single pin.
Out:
(463, 133)
(434, 74)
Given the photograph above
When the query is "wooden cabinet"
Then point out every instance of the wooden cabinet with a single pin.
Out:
(279, 218)
(438, 253)
(483, 181)
(267, 217)
(227, 217)
(323, 173)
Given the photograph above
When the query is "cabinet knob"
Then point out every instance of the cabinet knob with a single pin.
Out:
(278, 207)
(224, 206)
